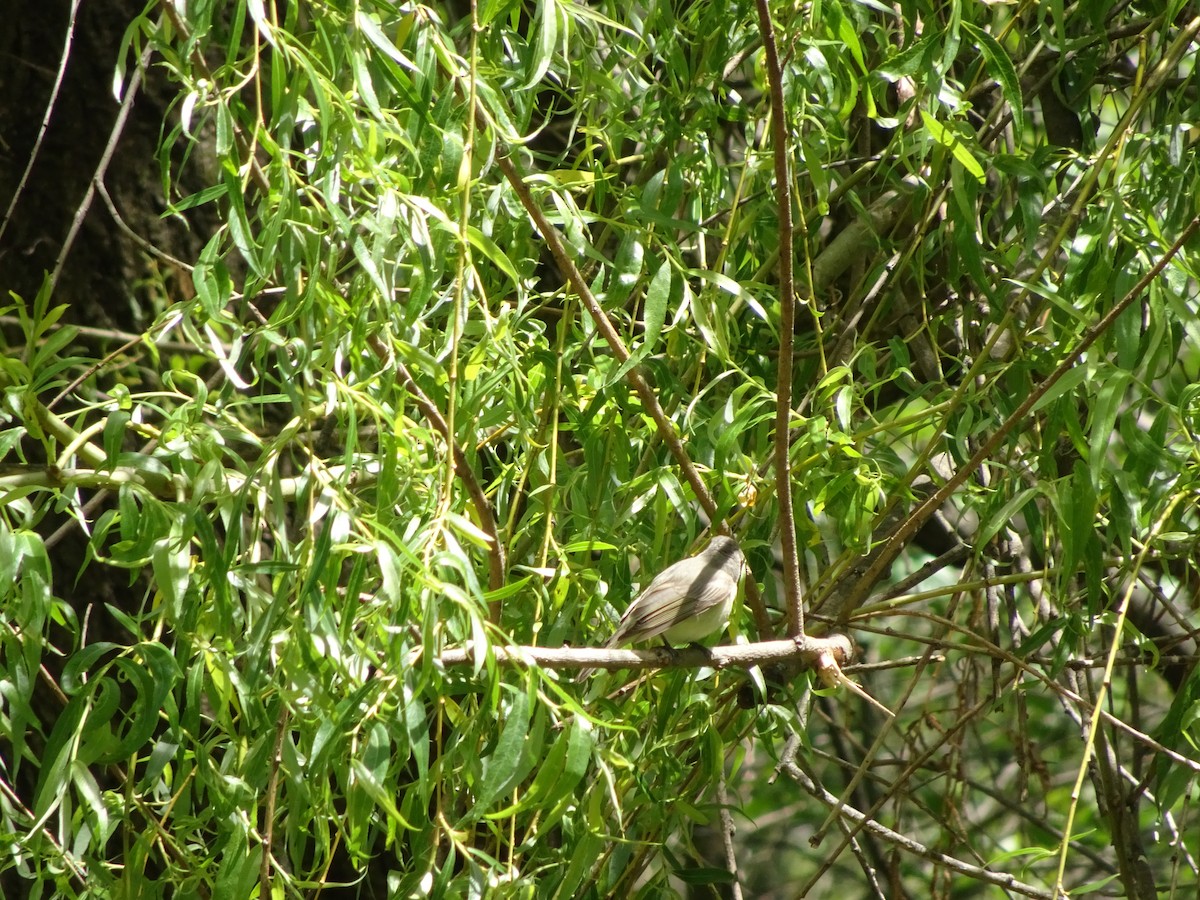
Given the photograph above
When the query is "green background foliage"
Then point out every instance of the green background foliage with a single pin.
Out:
(279, 474)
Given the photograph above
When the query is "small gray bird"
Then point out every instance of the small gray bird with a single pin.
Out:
(687, 600)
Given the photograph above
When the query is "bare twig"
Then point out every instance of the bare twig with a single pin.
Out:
(131, 92)
(727, 832)
(50, 104)
(789, 767)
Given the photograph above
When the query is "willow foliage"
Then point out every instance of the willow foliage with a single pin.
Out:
(383, 423)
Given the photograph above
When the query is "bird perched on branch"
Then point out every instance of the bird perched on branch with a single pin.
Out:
(687, 600)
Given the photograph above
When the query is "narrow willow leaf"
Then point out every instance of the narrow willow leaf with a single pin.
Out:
(500, 769)
(949, 139)
(371, 30)
(658, 293)
(546, 44)
(487, 246)
(1005, 73)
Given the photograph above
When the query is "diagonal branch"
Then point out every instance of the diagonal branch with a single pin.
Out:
(645, 392)
(899, 539)
(462, 468)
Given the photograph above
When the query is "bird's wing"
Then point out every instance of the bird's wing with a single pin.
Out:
(651, 614)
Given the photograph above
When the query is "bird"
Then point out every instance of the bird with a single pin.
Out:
(686, 601)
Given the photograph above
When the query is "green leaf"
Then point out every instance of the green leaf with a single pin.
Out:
(487, 246)
(658, 293)
(501, 768)
(1005, 516)
(957, 147)
(908, 62)
(546, 44)
(115, 432)
(1109, 398)
(58, 755)
(1005, 74)
(1067, 384)
(239, 225)
(626, 270)
(371, 29)
(384, 798)
(200, 198)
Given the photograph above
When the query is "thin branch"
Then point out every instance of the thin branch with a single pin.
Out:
(114, 334)
(50, 104)
(1028, 667)
(787, 325)
(1132, 884)
(725, 810)
(268, 831)
(131, 92)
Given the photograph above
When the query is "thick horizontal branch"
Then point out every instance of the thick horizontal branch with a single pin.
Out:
(810, 652)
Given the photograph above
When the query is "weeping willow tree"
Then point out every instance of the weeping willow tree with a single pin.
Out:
(503, 307)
